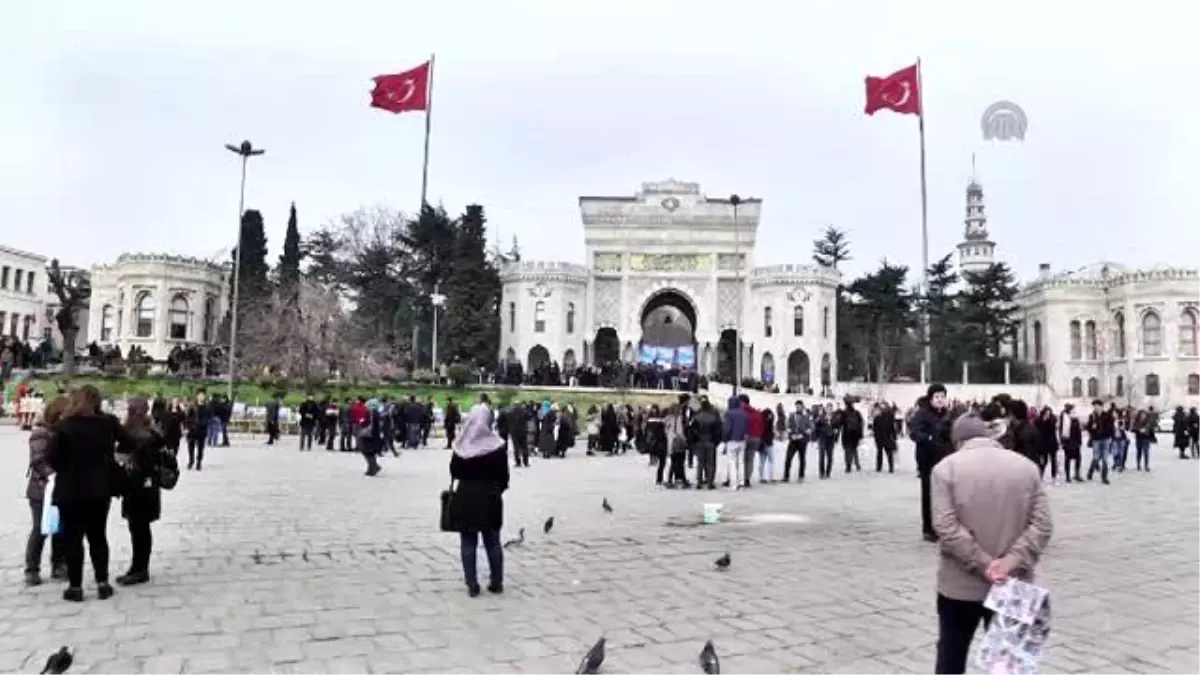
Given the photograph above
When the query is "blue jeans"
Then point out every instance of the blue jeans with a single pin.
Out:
(1120, 450)
(1100, 450)
(214, 432)
(469, 543)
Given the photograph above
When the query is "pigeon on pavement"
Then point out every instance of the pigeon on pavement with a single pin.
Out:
(709, 662)
(548, 526)
(724, 561)
(593, 659)
(518, 541)
(607, 507)
(58, 662)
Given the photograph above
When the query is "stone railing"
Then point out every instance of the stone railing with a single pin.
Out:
(540, 269)
(1116, 277)
(165, 258)
(792, 272)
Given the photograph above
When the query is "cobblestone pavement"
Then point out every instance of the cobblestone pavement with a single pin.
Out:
(273, 560)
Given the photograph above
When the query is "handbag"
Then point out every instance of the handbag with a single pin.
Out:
(447, 519)
(168, 470)
(50, 517)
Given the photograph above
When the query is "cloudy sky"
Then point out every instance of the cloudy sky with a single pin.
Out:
(114, 115)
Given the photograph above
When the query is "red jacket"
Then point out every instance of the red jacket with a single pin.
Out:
(358, 413)
(754, 420)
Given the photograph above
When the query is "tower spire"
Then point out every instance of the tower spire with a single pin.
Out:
(976, 252)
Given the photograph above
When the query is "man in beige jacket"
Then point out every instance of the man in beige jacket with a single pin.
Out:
(992, 519)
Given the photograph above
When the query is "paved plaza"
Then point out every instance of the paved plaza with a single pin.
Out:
(276, 561)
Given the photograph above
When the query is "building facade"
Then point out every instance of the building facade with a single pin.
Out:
(22, 295)
(1107, 331)
(157, 302)
(670, 277)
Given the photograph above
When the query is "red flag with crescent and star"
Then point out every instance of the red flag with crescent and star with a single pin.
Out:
(899, 92)
(402, 92)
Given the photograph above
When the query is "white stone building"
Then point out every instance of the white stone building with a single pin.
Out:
(1107, 331)
(672, 269)
(22, 295)
(157, 302)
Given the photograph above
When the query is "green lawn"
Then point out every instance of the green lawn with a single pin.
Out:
(255, 393)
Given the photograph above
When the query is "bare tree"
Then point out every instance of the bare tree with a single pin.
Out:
(73, 292)
(306, 334)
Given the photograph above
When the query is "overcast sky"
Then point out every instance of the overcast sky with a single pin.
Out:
(114, 114)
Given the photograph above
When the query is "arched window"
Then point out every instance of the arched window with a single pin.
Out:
(178, 316)
(1089, 341)
(1076, 341)
(1151, 337)
(1194, 385)
(1119, 335)
(1187, 332)
(1120, 385)
(512, 317)
(1152, 388)
(539, 317)
(106, 323)
(570, 319)
(143, 309)
(825, 323)
(1037, 341)
(1077, 388)
(767, 322)
(798, 321)
(1093, 387)
(210, 314)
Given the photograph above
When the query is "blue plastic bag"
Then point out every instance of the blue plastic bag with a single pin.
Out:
(50, 522)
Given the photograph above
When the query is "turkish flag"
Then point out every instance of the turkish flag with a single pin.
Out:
(402, 92)
(899, 92)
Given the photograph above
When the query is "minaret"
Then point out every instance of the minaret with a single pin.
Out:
(976, 252)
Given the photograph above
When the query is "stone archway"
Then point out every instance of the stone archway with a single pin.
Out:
(538, 356)
(568, 362)
(668, 319)
(766, 372)
(606, 348)
(799, 371)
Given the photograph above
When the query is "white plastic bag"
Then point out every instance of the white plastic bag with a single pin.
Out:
(50, 522)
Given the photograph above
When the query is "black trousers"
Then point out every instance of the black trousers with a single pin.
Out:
(825, 458)
(79, 520)
(272, 432)
(957, 622)
(37, 542)
(306, 438)
(1048, 458)
(926, 502)
(851, 452)
(885, 450)
(369, 453)
(660, 459)
(797, 447)
(347, 443)
(1143, 452)
(451, 433)
(520, 446)
(195, 451)
(331, 433)
(141, 541)
(225, 433)
(1071, 457)
(677, 474)
(706, 464)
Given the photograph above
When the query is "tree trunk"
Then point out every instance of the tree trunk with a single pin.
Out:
(68, 350)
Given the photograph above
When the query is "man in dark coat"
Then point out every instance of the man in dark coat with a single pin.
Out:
(931, 432)
(309, 412)
(451, 421)
(272, 420)
(518, 430)
(883, 427)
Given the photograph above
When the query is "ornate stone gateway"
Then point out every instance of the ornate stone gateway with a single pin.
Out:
(671, 279)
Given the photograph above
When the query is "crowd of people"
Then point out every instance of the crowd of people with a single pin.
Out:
(609, 374)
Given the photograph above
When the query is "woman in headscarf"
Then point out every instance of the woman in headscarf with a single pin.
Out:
(142, 454)
(656, 442)
(610, 429)
(480, 468)
(547, 430)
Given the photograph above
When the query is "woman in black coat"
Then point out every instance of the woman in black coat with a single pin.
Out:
(81, 453)
(610, 429)
(479, 468)
(143, 455)
(1048, 447)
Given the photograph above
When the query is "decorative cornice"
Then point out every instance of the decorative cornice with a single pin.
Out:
(792, 274)
(1109, 277)
(538, 270)
(163, 259)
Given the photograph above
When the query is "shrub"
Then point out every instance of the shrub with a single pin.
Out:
(459, 374)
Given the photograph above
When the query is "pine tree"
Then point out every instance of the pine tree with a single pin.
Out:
(941, 303)
(253, 285)
(988, 308)
(832, 249)
(880, 308)
(289, 261)
(429, 241)
(472, 288)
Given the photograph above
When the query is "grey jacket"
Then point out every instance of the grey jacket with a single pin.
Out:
(988, 503)
(799, 425)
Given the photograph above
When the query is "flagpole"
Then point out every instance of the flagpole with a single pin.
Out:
(428, 128)
(924, 219)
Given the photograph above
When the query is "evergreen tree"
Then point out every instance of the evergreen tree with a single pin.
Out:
(880, 305)
(253, 284)
(832, 249)
(988, 308)
(941, 303)
(472, 288)
(289, 260)
(429, 242)
(326, 267)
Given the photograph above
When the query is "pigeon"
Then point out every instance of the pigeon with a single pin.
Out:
(60, 661)
(607, 507)
(723, 562)
(518, 541)
(548, 526)
(593, 659)
(709, 662)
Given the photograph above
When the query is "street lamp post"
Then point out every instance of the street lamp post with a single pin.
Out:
(438, 300)
(245, 151)
(737, 275)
